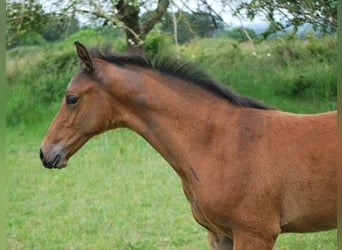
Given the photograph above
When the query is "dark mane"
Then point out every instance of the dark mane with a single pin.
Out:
(182, 70)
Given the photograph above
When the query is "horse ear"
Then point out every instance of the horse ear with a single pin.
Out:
(83, 54)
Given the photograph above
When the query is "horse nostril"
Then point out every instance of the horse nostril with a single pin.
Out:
(41, 155)
(56, 160)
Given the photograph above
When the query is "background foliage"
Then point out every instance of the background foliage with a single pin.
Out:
(278, 69)
(283, 14)
(137, 18)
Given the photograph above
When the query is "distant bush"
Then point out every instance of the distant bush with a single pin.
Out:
(96, 38)
(282, 67)
(32, 91)
(239, 34)
(288, 51)
(308, 67)
(22, 51)
(213, 53)
(311, 80)
(158, 44)
(324, 49)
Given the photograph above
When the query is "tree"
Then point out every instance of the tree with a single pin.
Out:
(191, 24)
(24, 20)
(28, 17)
(28, 23)
(124, 13)
(59, 26)
(136, 17)
(281, 14)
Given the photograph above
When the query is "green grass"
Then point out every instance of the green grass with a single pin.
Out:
(117, 193)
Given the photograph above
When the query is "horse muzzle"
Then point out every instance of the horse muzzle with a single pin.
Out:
(52, 160)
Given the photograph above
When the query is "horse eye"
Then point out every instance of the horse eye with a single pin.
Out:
(71, 99)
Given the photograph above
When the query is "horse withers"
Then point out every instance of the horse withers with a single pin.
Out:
(249, 172)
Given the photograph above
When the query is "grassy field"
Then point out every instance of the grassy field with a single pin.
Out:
(117, 192)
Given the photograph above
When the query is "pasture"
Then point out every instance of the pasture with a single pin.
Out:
(117, 192)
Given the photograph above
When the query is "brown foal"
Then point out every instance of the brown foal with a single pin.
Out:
(248, 171)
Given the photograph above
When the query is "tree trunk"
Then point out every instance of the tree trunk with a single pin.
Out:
(128, 14)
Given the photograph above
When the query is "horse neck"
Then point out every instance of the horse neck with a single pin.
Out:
(173, 117)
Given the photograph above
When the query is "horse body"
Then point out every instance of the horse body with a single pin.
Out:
(248, 173)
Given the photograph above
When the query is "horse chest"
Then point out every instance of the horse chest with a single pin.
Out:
(203, 212)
